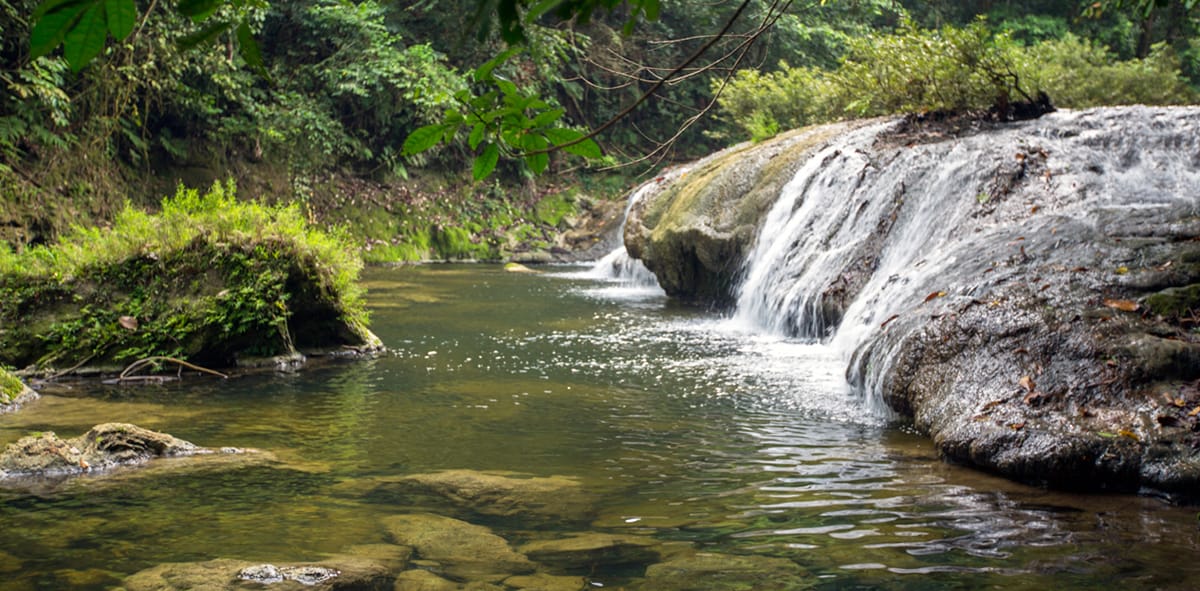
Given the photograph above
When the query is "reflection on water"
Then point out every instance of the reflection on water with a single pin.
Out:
(689, 433)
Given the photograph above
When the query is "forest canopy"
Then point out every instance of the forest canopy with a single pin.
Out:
(315, 85)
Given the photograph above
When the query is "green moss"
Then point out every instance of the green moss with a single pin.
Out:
(10, 386)
(553, 209)
(1175, 302)
(209, 278)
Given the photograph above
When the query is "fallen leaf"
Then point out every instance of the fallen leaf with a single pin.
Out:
(1034, 209)
(1016, 426)
(1122, 270)
(1195, 411)
(935, 295)
(889, 320)
(1020, 350)
(1106, 434)
(1032, 397)
(1129, 434)
(989, 406)
(128, 322)
(1079, 270)
(1123, 305)
(1027, 383)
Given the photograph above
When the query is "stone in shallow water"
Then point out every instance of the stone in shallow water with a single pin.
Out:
(545, 582)
(423, 580)
(9, 563)
(463, 550)
(339, 573)
(725, 572)
(505, 494)
(589, 550)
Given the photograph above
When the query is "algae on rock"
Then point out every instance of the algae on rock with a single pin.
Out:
(208, 279)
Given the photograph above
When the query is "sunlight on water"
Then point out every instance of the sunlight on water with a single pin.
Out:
(688, 433)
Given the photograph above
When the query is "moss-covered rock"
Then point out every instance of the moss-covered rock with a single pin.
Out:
(209, 279)
(13, 392)
(694, 232)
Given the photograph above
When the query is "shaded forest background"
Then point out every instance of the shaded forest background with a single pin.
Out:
(344, 83)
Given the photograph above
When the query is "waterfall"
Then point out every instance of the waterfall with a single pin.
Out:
(868, 232)
(617, 266)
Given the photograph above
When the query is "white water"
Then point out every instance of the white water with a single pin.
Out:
(911, 227)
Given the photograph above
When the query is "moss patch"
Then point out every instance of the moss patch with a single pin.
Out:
(1176, 302)
(10, 386)
(209, 279)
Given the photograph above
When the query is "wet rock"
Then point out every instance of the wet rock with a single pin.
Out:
(339, 573)
(725, 572)
(463, 550)
(694, 232)
(1024, 292)
(545, 582)
(587, 551)
(423, 580)
(104, 446)
(505, 494)
(13, 392)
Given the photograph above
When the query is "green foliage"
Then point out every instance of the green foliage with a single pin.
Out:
(949, 69)
(1080, 74)
(208, 275)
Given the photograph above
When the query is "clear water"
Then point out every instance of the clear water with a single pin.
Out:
(690, 432)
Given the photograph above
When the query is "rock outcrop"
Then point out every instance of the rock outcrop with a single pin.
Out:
(104, 446)
(1025, 293)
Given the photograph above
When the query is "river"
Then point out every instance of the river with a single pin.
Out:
(689, 430)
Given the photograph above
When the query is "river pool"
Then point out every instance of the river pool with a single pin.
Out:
(686, 430)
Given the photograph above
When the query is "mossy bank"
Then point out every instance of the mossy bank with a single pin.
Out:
(209, 279)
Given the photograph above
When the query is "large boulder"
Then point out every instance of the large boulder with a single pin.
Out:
(1025, 292)
(104, 446)
(692, 228)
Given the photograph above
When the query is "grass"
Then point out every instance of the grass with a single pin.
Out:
(10, 386)
(208, 276)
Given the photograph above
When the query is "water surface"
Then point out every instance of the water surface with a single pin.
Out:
(688, 430)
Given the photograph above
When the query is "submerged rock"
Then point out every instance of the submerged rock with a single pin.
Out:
(503, 494)
(461, 550)
(725, 572)
(587, 551)
(1025, 292)
(345, 574)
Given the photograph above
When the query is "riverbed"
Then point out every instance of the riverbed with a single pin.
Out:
(689, 431)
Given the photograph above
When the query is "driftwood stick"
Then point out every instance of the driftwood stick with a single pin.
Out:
(148, 360)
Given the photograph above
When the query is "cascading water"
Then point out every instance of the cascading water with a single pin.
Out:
(866, 233)
(617, 266)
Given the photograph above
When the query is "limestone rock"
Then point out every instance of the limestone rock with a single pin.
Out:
(545, 582)
(423, 580)
(589, 550)
(462, 549)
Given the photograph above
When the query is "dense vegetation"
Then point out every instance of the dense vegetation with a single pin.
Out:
(320, 115)
(209, 278)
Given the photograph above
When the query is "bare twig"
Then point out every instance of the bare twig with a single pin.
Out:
(147, 361)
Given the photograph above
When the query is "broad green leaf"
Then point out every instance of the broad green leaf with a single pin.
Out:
(86, 39)
(56, 5)
(476, 136)
(539, 9)
(122, 15)
(650, 7)
(587, 148)
(199, 10)
(208, 33)
(485, 163)
(547, 117)
(248, 48)
(507, 87)
(484, 72)
(52, 27)
(423, 138)
(538, 160)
